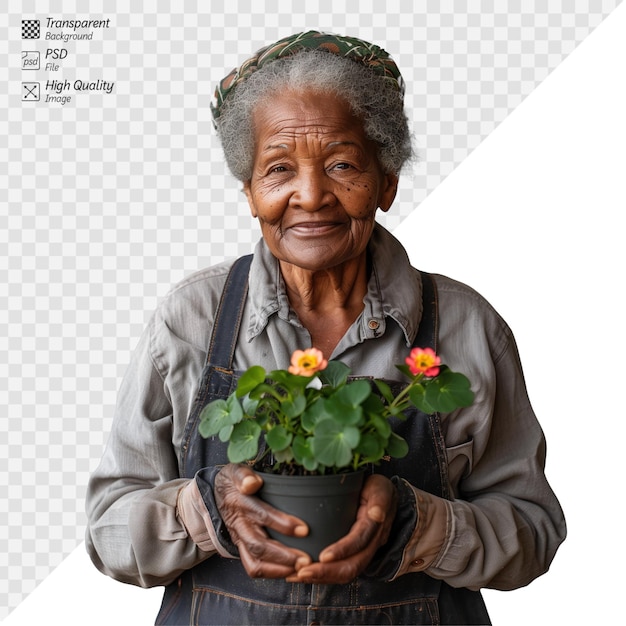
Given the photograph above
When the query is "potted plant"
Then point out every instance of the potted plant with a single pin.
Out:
(316, 421)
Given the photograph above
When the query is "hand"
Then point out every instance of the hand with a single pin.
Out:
(246, 517)
(344, 560)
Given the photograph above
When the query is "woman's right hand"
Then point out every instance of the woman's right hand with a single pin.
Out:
(246, 517)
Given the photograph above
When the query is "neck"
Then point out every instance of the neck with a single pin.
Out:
(327, 291)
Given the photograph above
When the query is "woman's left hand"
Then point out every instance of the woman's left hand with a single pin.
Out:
(343, 561)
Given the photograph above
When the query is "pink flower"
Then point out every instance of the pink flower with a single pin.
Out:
(423, 361)
(307, 362)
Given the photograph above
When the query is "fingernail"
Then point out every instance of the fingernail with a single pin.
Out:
(301, 531)
(249, 482)
(302, 561)
(376, 514)
(326, 556)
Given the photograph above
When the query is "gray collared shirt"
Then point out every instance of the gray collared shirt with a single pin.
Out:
(504, 525)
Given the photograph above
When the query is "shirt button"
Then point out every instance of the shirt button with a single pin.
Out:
(373, 324)
(418, 562)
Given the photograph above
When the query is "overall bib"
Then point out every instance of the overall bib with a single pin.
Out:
(218, 591)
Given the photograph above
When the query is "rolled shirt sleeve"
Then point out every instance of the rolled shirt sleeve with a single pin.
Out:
(504, 524)
(136, 533)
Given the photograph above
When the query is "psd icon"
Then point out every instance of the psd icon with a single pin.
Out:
(30, 60)
(30, 29)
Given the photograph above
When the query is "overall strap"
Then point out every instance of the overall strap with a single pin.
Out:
(427, 331)
(229, 313)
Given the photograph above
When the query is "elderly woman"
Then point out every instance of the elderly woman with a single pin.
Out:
(314, 128)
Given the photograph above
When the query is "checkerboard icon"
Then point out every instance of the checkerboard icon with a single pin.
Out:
(30, 29)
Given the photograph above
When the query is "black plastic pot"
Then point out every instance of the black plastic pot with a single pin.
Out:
(328, 504)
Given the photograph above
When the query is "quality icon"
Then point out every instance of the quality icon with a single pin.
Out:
(30, 92)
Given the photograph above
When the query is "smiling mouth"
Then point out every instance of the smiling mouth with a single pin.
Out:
(314, 228)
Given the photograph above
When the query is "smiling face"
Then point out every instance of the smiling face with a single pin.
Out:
(316, 182)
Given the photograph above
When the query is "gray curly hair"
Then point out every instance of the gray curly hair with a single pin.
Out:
(369, 96)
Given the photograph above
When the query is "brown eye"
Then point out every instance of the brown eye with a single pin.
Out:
(278, 169)
(342, 167)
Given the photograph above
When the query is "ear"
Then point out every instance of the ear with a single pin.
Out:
(388, 192)
(248, 191)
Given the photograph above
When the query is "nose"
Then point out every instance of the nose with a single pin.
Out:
(312, 190)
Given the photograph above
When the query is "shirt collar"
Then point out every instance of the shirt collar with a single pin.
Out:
(394, 290)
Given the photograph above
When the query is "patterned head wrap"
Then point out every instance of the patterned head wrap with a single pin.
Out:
(367, 54)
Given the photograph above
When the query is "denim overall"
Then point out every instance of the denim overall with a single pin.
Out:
(219, 591)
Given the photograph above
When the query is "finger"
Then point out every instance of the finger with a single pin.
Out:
(339, 573)
(246, 480)
(362, 535)
(236, 507)
(380, 496)
(262, 556)
(239, 477)
(374, 519)
(271, 559)
(270, 517)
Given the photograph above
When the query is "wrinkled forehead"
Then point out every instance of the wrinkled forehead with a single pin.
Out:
(316, 118)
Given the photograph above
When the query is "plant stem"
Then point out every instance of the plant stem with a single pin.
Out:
(405, 391)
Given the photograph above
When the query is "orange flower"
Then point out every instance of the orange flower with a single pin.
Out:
(307, 362)
(423, 361)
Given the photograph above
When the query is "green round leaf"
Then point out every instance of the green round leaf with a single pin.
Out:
(371, 446)
(449, 391)
(225, 433)
(213, 418)
(244, 442)
(385, 390)
(417, 394)
(405, 370)
(249, 405)
(382, 426)
(295, 407)
(314, 413)
(252, 377)
(303, 454)
(373, 405)
(234, 409)
(353, 394)
(335, 374)
(288, 380)
(263, 391)
(278, 438)
(284, 456)
(397, 447)
(332, 444)
(342, 414)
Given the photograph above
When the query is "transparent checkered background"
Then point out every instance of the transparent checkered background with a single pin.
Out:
(108, 200)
